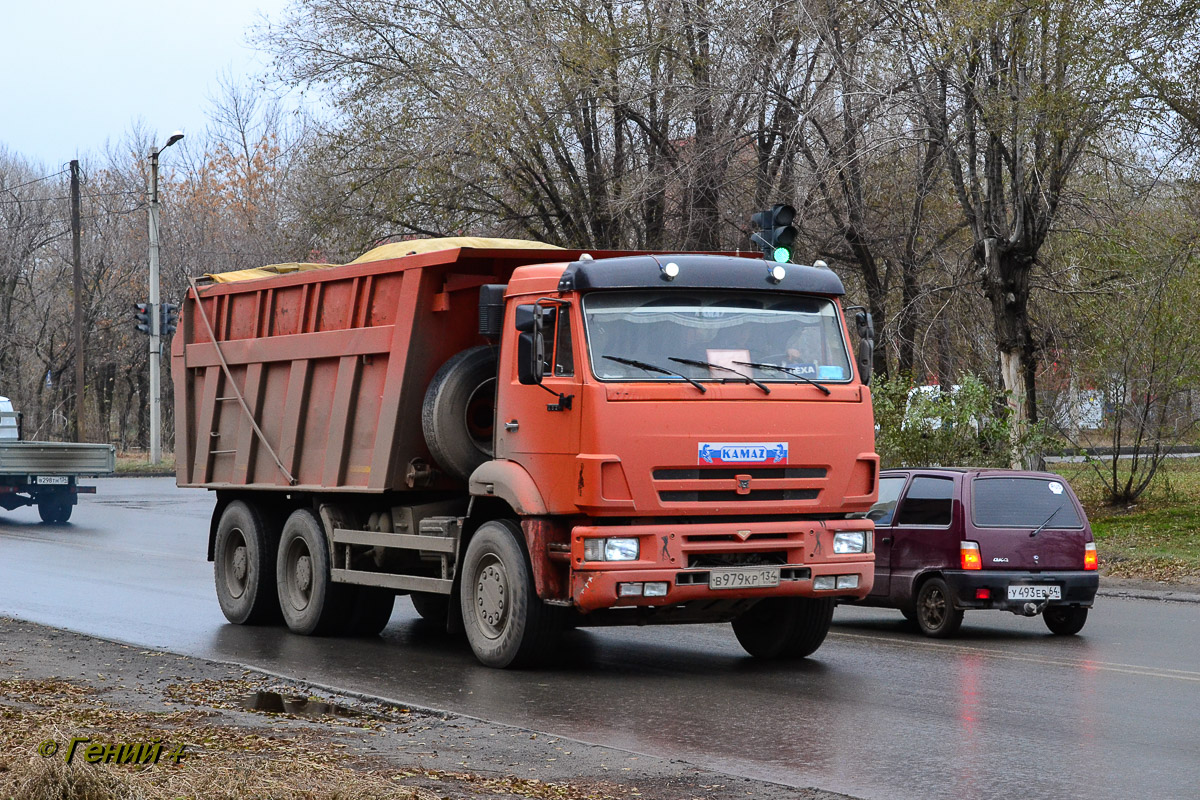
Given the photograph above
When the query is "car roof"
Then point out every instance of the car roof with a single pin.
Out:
(990, 472)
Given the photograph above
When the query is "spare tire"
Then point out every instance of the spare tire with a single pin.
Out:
(459, 412)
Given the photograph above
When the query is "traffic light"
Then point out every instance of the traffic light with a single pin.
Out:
(775, 233)
(168, 318)
(142, 315)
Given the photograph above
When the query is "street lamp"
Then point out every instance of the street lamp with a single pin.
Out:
(155, 337)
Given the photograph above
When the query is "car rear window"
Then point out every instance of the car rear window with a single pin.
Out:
(1009, 502)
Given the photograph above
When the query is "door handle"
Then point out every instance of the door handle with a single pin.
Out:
(886, 540)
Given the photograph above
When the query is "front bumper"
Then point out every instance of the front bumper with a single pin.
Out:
(684, 556)
(1078, 587)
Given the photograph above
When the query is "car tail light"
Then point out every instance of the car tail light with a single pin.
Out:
(1090, 560)
(983, 594)
(970, 555)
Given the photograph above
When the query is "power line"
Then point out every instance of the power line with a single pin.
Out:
(35, 180)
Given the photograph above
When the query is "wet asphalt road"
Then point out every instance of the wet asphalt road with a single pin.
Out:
(878, 712)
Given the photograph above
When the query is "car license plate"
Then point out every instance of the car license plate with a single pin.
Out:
(51, 480)
(743, 578)
(1040, 592)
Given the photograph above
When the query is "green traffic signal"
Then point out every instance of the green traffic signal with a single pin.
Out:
(782, 255)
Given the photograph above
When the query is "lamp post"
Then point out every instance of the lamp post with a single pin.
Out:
(155, 337)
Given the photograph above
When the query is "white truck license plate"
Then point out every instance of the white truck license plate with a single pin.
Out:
(51, 480)
(1034, 592)
(743, 578)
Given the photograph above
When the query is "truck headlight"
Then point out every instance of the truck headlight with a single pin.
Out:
(850, 542)
(625, 549)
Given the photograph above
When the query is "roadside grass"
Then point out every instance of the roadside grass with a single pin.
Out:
(138, 463)
(1158, 538)
(275, 756)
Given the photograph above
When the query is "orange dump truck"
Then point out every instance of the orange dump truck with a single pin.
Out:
(524, 439)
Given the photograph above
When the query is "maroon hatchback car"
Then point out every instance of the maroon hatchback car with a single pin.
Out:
(948, 540)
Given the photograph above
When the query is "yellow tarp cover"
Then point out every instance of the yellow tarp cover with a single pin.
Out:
(393, 250)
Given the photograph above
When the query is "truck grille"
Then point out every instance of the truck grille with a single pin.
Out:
(737, 485)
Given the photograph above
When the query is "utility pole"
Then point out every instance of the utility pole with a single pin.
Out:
(155, 330)
(78, 263)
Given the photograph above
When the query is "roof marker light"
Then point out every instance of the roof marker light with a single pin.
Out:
(777, 273)
(669, 270)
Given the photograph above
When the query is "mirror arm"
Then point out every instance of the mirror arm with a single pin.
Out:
(564, 400)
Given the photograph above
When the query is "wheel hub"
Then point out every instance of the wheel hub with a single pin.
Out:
(491, 591)
(304, 573)
(240, 564)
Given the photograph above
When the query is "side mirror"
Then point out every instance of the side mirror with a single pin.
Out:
(531, 320)
(866, 343)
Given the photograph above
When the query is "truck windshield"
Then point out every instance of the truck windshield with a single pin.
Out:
(1026, 502)
(729, 329)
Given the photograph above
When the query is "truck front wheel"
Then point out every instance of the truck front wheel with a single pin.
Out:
(312, 604)
(505, 621)
(784, 627)
(244, 565)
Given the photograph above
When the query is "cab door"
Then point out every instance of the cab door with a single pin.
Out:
(538, 425)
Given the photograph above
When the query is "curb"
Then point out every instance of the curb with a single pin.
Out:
(1150, 594)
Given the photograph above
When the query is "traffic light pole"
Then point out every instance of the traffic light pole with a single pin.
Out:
(155, 340)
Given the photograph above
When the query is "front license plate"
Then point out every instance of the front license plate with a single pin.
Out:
(1034, 592)
(743, 578)
(51, 480)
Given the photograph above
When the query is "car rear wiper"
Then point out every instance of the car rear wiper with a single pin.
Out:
(633, 362)
(788, 370)
(697, 363)
(1042, 527)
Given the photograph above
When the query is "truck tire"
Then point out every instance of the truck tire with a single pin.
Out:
(433, 607)
(312, 604)
(458, 415)
(371, 611)
(55, 511)
(784, 627)
(505, 621)
(244, 565)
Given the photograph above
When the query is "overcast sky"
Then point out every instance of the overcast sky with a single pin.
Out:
(74, 74)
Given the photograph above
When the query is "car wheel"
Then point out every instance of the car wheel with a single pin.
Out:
(505, 621)
(936, 614)
(1065, 620)
(784, 627)
(244, 565)
(312, 604)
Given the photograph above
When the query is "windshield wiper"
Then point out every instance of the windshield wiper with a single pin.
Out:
(697, 363)
(633, 362)
(1042, 527)
(788, 370)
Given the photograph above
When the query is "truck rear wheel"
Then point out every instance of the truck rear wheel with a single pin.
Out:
(505, 621)
(1065, 620)
(244, 565)
(458, 415)
(371, 611)
(312, 604)
(54, 511)
(784, 627)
